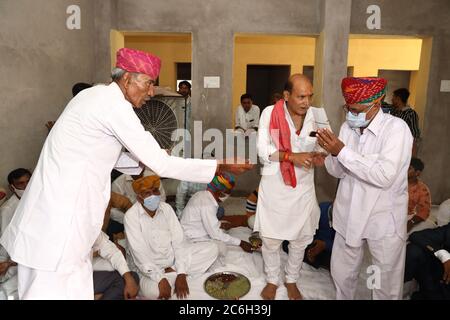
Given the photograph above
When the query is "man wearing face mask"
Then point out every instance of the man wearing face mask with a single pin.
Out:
(199, 219)
(371, 158)
(18, 181)
(158, 250)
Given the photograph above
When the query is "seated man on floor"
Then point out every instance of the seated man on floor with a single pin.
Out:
(117, 206)
(159, 252)
(419, 203)
(428, 258)
(318, 253)
(18, 180)
(185, 191)
(113, 280)
(122, 186)
(199, 218)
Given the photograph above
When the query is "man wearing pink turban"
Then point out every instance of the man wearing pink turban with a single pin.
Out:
(61, 212)
(371, 158)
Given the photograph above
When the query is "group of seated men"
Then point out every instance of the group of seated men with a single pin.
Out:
(159, 251)
(147, 249)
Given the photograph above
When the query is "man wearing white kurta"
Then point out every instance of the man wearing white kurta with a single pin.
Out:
(199, 218)
(247, 115)
(285, 212)
(371, 158)
(18, 180)
(122, 185)
(159, 252)
(113, 280)
(61, 212)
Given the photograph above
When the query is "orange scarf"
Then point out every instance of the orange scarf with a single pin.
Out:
(281, 135)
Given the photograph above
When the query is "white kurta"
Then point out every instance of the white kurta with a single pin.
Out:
(8, 281)
(7, 212)
(155, 243)
(283, 212)
(69, 191)
(185, 191)
(109, 253)
(372, 198)
(247, 120)
(199, 220)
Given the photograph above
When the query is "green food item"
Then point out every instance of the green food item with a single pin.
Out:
(256, 242)
(225, 288)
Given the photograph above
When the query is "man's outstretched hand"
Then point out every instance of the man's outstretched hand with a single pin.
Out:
(233, 165)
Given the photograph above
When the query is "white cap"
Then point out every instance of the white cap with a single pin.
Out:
(443, 215)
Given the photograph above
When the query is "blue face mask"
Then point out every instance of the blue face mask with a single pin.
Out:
(359, 120)
(152, 202)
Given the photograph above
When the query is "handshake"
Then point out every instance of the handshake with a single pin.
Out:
(308, 159)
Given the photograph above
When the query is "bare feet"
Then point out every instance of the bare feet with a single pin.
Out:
(293, 292)
(269, 291)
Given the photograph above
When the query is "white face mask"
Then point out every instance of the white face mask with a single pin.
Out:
(18, 192)
(224, 197)
(152, 202)
(358, 121)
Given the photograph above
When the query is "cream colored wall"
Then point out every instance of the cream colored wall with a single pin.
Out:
(171, 48)
(269, 50)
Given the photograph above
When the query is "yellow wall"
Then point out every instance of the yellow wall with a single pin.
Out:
(270, 50)
(117, 40)
(367, 55)
(171, 48)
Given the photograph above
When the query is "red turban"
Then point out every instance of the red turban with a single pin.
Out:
(138, 62)
(363, 90)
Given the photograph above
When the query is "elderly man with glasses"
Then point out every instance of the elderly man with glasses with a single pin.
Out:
(61, 212)
(371, 158)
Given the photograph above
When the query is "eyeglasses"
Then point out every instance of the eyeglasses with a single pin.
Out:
(347, 109)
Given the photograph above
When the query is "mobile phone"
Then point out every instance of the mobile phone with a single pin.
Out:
(313, 133)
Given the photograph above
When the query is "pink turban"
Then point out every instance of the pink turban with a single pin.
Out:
(137, 61)
(363, 90)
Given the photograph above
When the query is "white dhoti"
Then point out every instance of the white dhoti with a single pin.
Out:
(72, 279)
(272, 264)
(386, 274)
(71, 283)
(201, 255)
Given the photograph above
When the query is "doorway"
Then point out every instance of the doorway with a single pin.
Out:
(265, 80)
